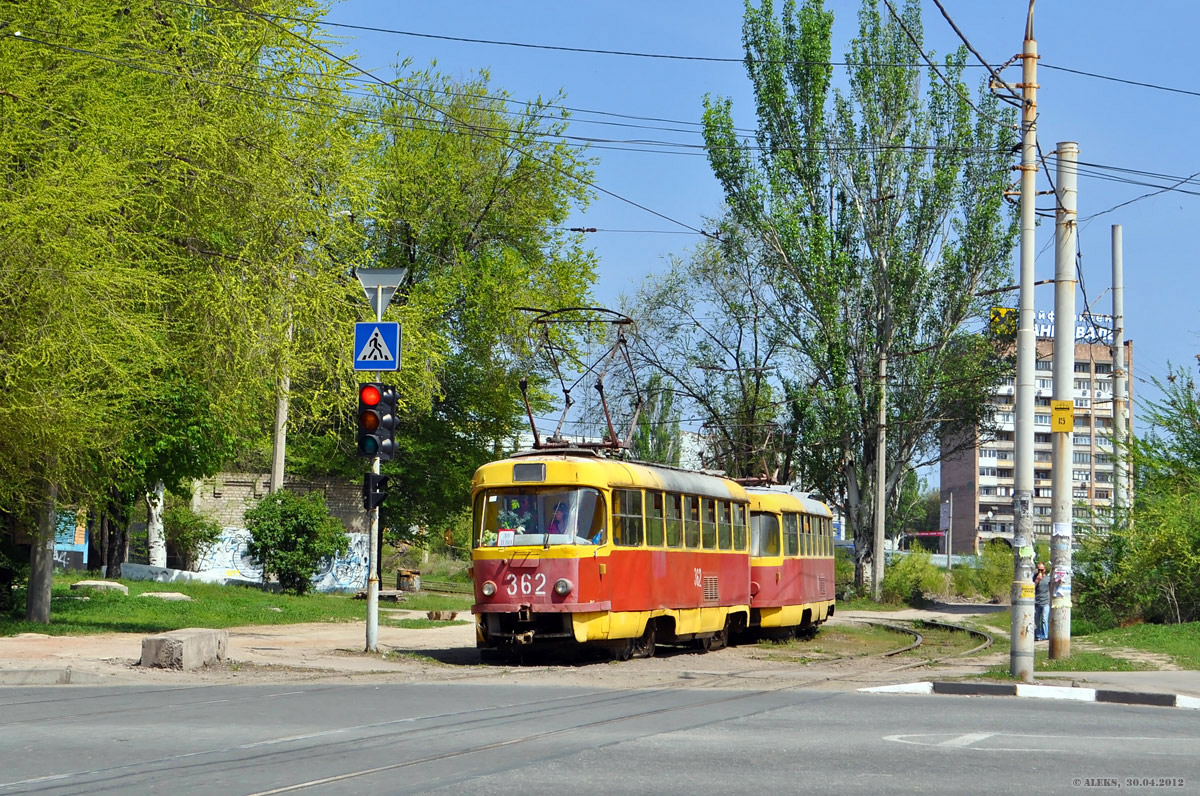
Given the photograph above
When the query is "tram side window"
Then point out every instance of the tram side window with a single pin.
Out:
(827, 529)
(627, 517)
(808, 544)
(708, 528)
(739, 527)
(724, 526)
(674, 517)
(691, 521)
(654, 519)
(791, 530)
(764, 534)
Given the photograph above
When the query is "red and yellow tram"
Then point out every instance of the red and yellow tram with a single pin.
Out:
(791, 561)
(571, 547)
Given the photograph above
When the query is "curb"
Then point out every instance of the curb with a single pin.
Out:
(1041, 692)
(67, 676)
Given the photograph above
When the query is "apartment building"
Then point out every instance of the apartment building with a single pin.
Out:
(981, 478)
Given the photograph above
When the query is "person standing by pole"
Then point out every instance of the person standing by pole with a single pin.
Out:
(1041, 604)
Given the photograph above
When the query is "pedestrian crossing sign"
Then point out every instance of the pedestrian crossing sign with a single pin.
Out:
(377, 346)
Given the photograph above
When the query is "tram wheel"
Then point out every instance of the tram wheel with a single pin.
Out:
(625, 651)
(644, 646)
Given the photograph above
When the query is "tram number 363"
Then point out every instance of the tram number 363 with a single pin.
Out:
(527, 584)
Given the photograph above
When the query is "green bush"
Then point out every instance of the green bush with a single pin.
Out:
(292, 535)
(189, 534)
(907, 579)
(843, 574)
(995, 573)
(964, 582)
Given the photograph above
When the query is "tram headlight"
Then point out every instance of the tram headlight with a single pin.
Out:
(562, 587)
(488, 588)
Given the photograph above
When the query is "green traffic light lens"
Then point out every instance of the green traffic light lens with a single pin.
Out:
(368, 445)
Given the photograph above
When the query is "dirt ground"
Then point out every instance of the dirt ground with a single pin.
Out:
(296, 653)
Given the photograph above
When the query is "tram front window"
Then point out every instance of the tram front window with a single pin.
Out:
(539, 516)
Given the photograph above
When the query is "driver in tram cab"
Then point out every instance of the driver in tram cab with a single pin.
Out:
(558, 522)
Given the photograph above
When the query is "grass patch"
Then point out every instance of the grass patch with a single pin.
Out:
(1180, 642)
(867, 604)
(834, 642)
(414, 657)
(422, 601)
(422, 624)
(1078, 662)
(212, 606)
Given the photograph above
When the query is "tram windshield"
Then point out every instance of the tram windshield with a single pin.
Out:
(539, 516)
(764, 534)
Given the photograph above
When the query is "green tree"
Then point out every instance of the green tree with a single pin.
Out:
(470, 198)
(879, 217)
(167, 218)
(656, 436)
(705, 329)
(1146, 565)
(292, 536)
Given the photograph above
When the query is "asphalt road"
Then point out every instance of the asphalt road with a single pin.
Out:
(518, 739)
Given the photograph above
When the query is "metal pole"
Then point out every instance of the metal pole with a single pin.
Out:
(1064, 390)
(877, 558)
(950, 533)
(1021, 649)
(373, 540)
(1120, 429)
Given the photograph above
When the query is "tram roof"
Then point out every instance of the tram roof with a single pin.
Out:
(780, 499)
(587, 468)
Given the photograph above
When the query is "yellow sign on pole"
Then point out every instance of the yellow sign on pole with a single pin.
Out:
(1062, 416)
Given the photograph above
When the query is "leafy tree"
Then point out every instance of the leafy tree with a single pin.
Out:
(292, 536)
(168, 212)
(878, 216)
(1147, 565)
(470, 198)
(706, 330)
(656, 437)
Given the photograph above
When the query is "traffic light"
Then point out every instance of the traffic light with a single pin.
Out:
(374, 490)
(376, 421)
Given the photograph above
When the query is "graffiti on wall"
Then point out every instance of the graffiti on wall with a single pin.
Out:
(70, 539)
(228, 557)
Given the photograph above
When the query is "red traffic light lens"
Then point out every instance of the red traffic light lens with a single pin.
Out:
(369, 394)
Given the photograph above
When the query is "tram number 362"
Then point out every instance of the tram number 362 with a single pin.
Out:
(527, 584)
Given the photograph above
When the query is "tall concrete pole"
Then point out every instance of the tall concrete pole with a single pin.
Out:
(1021, 650)
(877, 558)
(1064, 388)
(1120, 427)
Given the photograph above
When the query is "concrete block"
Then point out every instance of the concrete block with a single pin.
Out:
(189, 648)
(169, 596)
(101, 585)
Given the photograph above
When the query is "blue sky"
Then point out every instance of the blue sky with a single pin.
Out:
(1117, 126)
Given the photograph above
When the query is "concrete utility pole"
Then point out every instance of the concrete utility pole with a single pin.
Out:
(1021, 650)
(877, 558)
(950, 533)
(1120, 429)
(1064, 387)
